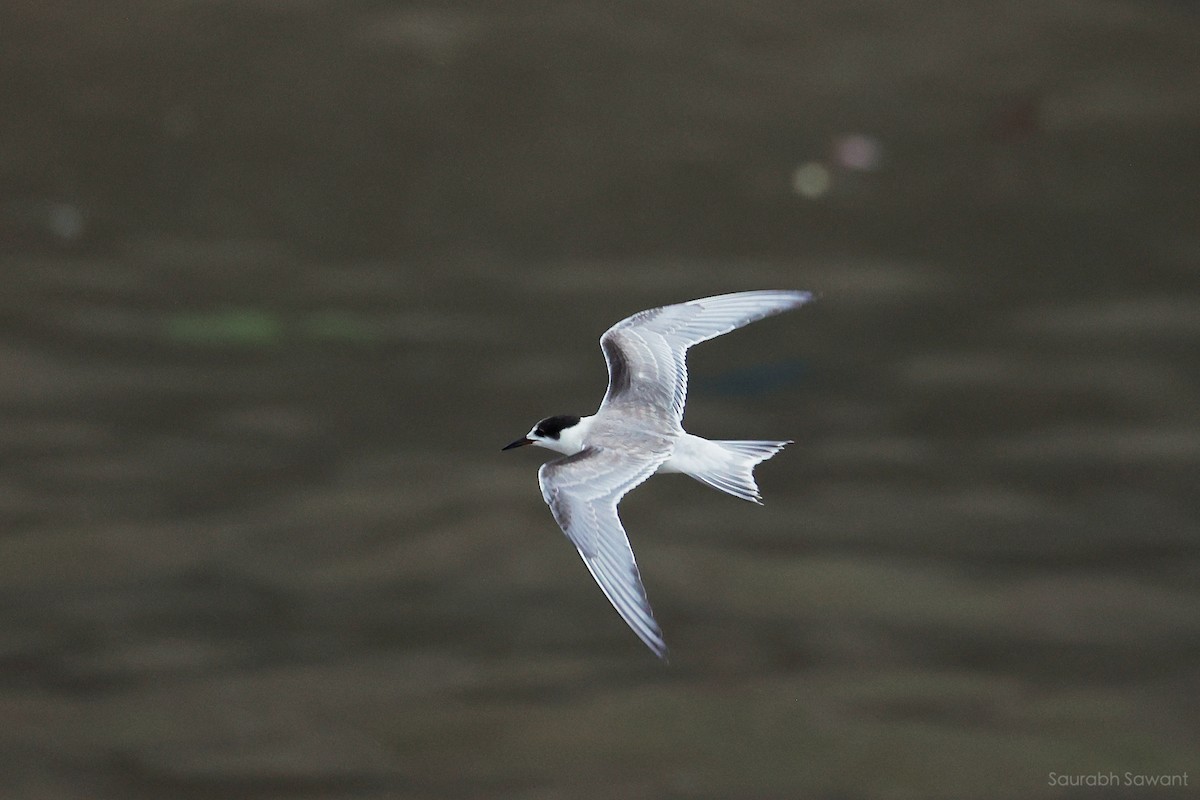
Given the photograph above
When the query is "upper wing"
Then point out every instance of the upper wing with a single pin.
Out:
(583, 491)
(646, 353)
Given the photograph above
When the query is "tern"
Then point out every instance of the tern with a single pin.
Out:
(638, 431)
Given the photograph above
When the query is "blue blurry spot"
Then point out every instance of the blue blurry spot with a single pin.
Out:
(756, 380)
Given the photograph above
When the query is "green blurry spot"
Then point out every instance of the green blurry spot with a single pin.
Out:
(235, 326)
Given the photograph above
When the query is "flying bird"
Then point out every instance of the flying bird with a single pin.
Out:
(638, 431)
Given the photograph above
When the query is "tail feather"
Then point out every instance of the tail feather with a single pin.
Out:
(734, 474)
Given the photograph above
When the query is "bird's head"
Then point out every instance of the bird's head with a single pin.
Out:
(561, 433)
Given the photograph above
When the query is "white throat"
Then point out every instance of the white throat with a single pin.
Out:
(570, 440)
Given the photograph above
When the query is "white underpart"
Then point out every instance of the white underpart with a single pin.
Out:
(727, 466)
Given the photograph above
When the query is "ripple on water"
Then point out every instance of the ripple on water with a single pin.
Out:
(1145, 316)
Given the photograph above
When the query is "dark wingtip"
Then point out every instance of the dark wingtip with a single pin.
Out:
(660, 649)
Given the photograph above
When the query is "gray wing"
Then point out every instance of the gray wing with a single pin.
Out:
(646, 353)
(583, 491)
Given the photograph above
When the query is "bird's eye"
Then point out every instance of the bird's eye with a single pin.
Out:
(539, 432)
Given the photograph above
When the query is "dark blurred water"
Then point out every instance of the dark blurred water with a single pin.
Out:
(279, 281)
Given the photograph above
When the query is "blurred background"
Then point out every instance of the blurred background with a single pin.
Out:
(280, 279)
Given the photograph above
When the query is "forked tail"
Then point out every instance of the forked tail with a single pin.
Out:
(732, 471)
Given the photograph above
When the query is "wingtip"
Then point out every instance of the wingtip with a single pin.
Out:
(798, 296)
(790, 298)
(655, 642)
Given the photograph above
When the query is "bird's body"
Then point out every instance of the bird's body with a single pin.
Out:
(638, 431)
